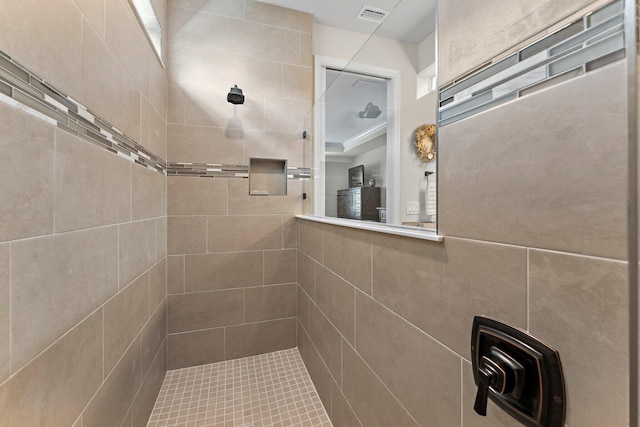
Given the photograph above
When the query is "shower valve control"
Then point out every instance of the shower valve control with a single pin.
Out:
(519, 373)
(502, 373)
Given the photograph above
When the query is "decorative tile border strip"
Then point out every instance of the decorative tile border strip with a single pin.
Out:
(213, 170)
(595, 40)
(23, 89)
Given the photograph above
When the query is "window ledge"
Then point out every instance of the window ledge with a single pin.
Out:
(398, 230)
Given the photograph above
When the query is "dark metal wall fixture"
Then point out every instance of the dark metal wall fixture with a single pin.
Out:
(595, 40)
(25, 90)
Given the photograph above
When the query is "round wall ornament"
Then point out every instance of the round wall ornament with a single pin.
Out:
(426, 142)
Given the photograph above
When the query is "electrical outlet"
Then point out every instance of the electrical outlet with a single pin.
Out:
(413, 208)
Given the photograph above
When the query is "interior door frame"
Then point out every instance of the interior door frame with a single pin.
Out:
(321, 63)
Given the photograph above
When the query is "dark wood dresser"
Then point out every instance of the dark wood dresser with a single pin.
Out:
(359, 203)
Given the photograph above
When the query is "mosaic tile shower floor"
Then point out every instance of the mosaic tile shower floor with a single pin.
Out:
(271, 389)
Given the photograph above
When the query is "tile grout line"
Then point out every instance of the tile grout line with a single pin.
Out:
(461, 392)
(10, 310)
(528, 302)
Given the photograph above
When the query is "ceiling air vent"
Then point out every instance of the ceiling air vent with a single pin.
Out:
(372, 14)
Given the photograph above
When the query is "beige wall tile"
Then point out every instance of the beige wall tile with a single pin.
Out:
(53, 389)
(124, 316)
(186, 234)
(318, 371)
(175, 274)
(153, 128)
(137, 249)
(208, 107)
(298, 82)
(244, 233)
(440, 287)
(396, 351)
(26, 187)
(289, 232)
(327, 340)
(146, 193)
(161, 232)
(465, 43)
(146, 398)
(152, 336)
(356, 267)
(187, 66)
(278, 16)
(195, 29)
(223, 271)
(55, 283)
(203, 144)
(265, 42)
(230, 8)
(279, 266)
(273, 145)
(310, 239)
(240, 202)
(258, 338)
(496, 417)
(196, 196)
(285, 115)
(196, 348)
(92, 185)
(580, 306)
(107, 88)
(336, 299)
(371, 401)
(306, 50)
(303, 308)
(540, 208)
(157, 284)
(93, 11)
(341, 413)
(205, 310)
(158, 85)
(126, 39)
(270, 302)
(299, 336)
(307, 274)
(5, 331)
(252, 75)
(111, 403)
(175, 112)
(51, 27)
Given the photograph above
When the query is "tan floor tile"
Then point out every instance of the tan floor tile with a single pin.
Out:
(272, 389)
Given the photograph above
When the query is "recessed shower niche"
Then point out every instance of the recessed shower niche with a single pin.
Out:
(267, 177)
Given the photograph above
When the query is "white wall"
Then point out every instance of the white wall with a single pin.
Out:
(390, 54)
(375, 166)
(337, 171)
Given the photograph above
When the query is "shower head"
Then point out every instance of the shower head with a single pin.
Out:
(370, 112)
(235, 95)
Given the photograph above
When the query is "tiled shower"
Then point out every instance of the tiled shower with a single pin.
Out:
(119, 261)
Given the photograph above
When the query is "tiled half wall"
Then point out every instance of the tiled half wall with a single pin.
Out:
(532, 238)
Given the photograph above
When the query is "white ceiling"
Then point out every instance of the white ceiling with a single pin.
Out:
(408, 20)
(346, 96)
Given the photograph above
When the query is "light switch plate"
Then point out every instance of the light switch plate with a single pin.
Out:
(413, 208)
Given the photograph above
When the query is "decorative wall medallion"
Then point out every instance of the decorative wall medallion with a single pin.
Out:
(426, 142)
